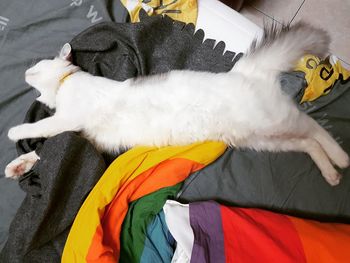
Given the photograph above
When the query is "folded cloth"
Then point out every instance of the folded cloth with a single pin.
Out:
(55, 188)
(156, 45)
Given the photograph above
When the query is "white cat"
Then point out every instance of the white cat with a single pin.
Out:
(243, 108)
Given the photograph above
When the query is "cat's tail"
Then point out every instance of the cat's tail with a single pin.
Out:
(282, 46)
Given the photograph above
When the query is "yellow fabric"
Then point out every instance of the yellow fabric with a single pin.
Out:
(320, 75)
(125, 168)
(181, 10)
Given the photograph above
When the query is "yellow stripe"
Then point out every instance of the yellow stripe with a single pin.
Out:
(125, 168)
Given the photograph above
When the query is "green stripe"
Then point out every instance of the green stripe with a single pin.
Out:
(140, 214)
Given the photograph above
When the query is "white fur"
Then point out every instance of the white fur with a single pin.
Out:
(244, 107)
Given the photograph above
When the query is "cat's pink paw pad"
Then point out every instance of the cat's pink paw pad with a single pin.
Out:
(17, 168)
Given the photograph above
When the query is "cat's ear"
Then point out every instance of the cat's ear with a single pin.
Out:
(66, 52)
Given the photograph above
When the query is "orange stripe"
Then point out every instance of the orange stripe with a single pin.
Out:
(323, 242)
(105, 245)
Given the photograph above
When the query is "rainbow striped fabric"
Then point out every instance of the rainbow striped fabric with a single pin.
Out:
(229, 234)
(124, 218)
(95, 234)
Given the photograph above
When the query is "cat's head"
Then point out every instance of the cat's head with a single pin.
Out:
(47, 74)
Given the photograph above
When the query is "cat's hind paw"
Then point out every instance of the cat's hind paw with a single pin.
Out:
(332, 177)
(343, 161)
(339, 157)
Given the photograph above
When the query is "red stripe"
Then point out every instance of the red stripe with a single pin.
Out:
(254, 235)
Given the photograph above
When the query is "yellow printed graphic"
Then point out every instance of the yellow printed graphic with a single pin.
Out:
(321, 75)
(181, 10)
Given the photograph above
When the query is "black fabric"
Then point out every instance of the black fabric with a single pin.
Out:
(284, 182)
(157, 45)
(69, 165)
(41, 112)
(56, 187)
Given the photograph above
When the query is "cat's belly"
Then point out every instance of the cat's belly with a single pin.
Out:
(172, 128)
(183, 115)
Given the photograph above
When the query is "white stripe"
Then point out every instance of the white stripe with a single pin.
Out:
(3, 23)
(177, 218)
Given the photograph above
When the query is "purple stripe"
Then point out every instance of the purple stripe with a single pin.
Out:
(208, 245)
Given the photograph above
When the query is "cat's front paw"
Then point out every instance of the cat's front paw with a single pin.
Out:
(21, 165)
(15, 169)
(14, 134)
